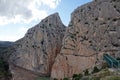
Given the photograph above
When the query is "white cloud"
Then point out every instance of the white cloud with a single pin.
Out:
(20, 32)
(25, 11)
(51, 3)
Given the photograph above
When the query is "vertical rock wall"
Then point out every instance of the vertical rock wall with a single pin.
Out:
(38, 49)
(94, 29)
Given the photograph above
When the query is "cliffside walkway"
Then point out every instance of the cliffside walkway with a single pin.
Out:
(112, 62)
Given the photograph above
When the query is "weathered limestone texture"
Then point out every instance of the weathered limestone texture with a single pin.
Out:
(94, 29)
(37, 50)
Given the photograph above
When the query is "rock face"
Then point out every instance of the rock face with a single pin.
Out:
(37, 50)
(94, 30)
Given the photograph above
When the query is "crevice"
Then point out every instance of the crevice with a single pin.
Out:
(118, 37)
(102, 23)
(86, 23)
(114, 6)
(96, 19)
(66, 58)
(79, 20)
(115, 44)
(114, 19)
(105, 46)
(108, 18)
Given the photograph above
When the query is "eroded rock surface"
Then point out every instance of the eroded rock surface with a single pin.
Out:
(94, 29)
(37, 50)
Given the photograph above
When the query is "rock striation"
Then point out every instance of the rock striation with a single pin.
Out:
(93, 30)
(37, 50)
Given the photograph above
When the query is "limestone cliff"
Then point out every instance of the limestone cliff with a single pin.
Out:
(37, 50)
(93, 30)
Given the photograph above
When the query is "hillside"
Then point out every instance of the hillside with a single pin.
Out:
(4, 56)
(4, 47)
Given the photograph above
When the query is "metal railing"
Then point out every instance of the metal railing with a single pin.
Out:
(112, 62)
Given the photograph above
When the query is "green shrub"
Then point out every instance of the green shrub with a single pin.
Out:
(74, 75)
(65, 79)
(86, 72)
(77, 76)
(4, 69)
(55, 79)
(95, 70)
(104, 65)
(80, 75)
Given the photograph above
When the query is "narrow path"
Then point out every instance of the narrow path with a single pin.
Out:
(22, 74)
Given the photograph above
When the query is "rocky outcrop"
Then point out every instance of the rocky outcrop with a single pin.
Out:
(94, 30)
(37, 50)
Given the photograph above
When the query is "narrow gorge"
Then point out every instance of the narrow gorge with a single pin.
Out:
(52, 49)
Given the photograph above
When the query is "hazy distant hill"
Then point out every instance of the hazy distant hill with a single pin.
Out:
(4, 45)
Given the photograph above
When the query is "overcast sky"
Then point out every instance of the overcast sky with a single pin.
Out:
(17, 16)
